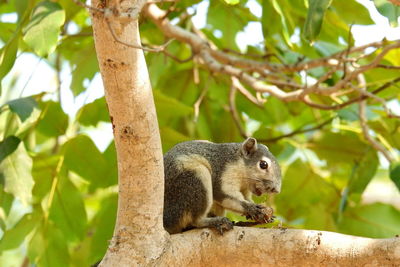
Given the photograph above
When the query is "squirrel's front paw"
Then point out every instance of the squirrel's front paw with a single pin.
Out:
(222, 224)
(259, 213)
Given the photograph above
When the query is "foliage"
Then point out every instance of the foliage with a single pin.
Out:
(58, 193)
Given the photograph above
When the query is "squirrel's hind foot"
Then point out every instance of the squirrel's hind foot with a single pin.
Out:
(221, 224)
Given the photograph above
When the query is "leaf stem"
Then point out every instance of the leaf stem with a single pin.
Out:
(53, 189)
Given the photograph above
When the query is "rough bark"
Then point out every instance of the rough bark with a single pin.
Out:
(139, 238)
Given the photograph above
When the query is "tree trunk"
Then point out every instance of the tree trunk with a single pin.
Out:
(139, 237)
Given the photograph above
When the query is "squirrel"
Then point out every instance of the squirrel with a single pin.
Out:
(203, 179)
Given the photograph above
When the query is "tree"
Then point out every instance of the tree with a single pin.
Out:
(50, 166)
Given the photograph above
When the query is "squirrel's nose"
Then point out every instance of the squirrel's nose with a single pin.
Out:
(275, 190)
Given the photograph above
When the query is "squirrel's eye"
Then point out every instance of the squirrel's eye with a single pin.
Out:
(263, 164)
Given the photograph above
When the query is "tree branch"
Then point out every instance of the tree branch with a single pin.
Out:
(278, 247)
(243, 69)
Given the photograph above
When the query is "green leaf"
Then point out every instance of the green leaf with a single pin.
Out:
(54, 122)
(164, 105)
(48, 247)
(268, 15)
(393, 57)
(339, 147)
(8, 146)
(395, 173)
(365, 171)
(229, 26)
(203, 128)
(361, 175)
(6, 201)
(315, 16)
(13, 237)
(327, 48)
(388, 129)
(110, 155)
(170, 137)
(280, 19)
(102, 227)
(43, 29)
(285, 28)
(93, 113)
(349, 113)
(16, 169)
(23, 107)
(8, 54)
(388, 10)
(345, 10)
(70, 7)
(44, 169)
(67, 210)
(318, 218)
(276, 111)
(83, 157)
(21, 6)
(85, 66)
(309, 188)
(232, 2)
(377, 221)
(7, 31)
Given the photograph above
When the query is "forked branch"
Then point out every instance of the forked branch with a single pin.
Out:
(266, 77)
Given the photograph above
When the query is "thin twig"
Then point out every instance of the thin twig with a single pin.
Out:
(347, 51)
(30, 77)
(296, 132)
(284, 84)
(387, 67)
(234, 112)
(156, 49)
(331, 60)
(196, 75)
(251, 55)
(246, 93)
(323, 78)
(260, 98)
(342, 93)
(388, 111)
(352, 101)
(168, 54)
(363, 122)
(196, 105)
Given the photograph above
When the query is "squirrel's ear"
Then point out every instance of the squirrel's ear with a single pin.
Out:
(249, 146)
